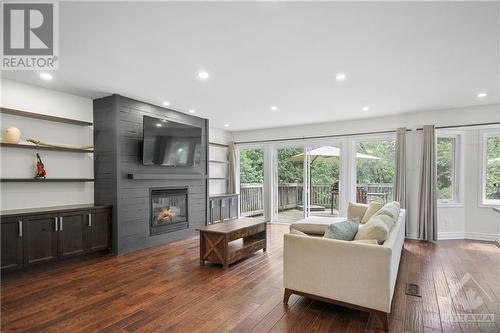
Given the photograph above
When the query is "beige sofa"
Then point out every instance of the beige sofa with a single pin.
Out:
(355, 275)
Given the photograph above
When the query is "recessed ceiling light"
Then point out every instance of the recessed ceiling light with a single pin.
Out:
(158, 125)
(274, 108)
(46, 76)
(165, 103)
(202, 75)
(340, 77)
(226, 125)
(482, 95)
(365, 108)
(192, 111)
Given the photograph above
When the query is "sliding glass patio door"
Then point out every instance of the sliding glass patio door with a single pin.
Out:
(288, 184)
(323, 180)
(252, 186)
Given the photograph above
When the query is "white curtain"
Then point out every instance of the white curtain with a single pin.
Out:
(231, 171)
(427, 214)
(400, 182)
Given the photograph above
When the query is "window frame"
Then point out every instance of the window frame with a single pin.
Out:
(354, 141)
(457, 180)
(483, 140)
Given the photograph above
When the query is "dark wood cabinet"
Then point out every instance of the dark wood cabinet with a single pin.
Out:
(41, 235)
(72, 234)
(40, 239)
(223, 207)
(12, 244)
(98, 230)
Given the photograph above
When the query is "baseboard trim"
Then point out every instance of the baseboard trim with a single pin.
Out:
(481, 236)
(451, 235)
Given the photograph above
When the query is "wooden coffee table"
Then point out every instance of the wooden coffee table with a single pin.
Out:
(227, 242)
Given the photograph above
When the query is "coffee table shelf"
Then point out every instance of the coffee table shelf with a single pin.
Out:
(227, 242)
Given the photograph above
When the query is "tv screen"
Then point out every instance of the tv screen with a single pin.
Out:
(168, 143)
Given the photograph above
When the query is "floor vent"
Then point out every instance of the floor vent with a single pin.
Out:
(413, 289)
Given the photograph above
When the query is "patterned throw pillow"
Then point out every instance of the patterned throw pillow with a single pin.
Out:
(345, 230)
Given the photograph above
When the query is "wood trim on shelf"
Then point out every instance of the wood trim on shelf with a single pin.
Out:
(34, 115)
(26, 146)
(42, 180)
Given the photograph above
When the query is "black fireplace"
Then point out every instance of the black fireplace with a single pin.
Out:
(169, 210)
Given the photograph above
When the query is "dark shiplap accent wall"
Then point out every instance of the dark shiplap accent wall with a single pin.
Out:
(118, 145)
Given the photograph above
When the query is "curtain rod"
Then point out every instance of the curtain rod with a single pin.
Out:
(318, 137)
(459, 126)
(218, 144)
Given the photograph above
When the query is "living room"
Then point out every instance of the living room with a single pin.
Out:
(242, 166)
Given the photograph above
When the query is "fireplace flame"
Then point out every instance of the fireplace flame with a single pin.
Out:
(166, 214)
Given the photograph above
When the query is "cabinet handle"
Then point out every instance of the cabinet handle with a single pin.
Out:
(60, 223)
(20, 228)
(90, 220)
(56, 225)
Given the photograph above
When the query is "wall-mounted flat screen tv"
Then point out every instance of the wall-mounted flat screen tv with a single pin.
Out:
(172, 144)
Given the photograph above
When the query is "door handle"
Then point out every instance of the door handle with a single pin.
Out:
(20, 223)
(90, 220)
(60, 223)
(56, 225)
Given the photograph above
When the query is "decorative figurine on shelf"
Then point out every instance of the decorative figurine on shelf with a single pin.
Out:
(11, 135)
(40, 168)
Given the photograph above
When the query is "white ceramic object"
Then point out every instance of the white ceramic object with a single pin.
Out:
(11, 135)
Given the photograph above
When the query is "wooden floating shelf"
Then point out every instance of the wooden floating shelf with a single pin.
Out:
(47, 180)
(34, 115)
(26, 146)
(221, 162)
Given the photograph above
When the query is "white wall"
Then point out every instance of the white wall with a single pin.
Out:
(466, 220)
(20, 163)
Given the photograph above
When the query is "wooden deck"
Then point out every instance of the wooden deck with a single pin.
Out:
(164, 289)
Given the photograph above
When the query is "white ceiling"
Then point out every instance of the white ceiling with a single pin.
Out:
(399, 57)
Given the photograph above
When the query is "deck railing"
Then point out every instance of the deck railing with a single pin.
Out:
(290, 196)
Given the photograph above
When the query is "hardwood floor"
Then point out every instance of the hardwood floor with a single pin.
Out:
(164, 289)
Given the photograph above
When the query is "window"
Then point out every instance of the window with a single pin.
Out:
(375, 170)
(490, 171)
(446, 168)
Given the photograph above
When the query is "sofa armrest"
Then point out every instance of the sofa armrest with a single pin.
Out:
(349, 272)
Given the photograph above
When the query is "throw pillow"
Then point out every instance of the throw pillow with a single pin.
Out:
(345, 230)
(386, 219)
(298, 232)
(356, 210)
(391, 209)
(374, 229)
(366, 241)
(371, 210)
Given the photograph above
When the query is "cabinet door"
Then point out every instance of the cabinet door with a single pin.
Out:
(39, 239)
(216, 213)
(233, 209)
(72, 238)
(225, 207)
(98, 230)
(12, 245)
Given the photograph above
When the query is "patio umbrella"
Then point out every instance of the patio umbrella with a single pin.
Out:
(327, 152)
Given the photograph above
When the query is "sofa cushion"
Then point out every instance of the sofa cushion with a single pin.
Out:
(356, 210)
(371, 210)
(315, 225)
(345, 230)
(374, 229)
(298, 232)
(391, 209)
(366, 241)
